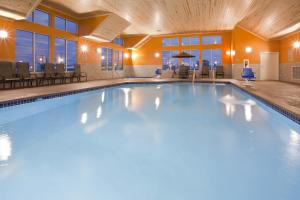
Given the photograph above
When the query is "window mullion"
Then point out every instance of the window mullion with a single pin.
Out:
(66, 55)
(33, 53)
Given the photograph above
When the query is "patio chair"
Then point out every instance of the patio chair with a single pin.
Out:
(7, 74)
(61, 73)
(205, 71)
(248, 75)
(219, 71)
(49, 73)
(183, 71)
(24, 74)
(77, 74)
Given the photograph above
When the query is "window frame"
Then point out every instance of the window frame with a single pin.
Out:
(211, 36)
(33, 19)
(65, 52)
(167, 42)
(190, 41)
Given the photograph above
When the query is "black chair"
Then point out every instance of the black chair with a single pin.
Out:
(220, 72)
(61, 73)
(77, 74)
(24, 74)
(49, 73)
(8, 74)
(205, 71)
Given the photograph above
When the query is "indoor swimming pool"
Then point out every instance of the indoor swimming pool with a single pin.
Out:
(149, 142)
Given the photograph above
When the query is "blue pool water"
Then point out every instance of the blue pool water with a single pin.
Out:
(149, 142)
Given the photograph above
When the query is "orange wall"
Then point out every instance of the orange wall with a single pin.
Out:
(145, 54)
(286, 43)
(11, 25)
(242, 39)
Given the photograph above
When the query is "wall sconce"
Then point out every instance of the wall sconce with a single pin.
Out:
(3, 34)
(232, 53)
(134, 56)
(296, 44)
(84, 48)
(156, 55)
(126, 55)
(99, 50)
(248, 49)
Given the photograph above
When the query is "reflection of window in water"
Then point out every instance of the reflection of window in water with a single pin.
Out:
(5, 147)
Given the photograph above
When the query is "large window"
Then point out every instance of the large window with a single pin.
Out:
(212, 57)
(39, 17)
(168, 60)
(212, 40)
(32, 48)
(190, 41)
(66, 52)
(41, 51)
(118, 57)
(24, 47)
(119, 41)
(106, 62)
(71, 55)
(65, 25)
(170, 42)
(192, 62)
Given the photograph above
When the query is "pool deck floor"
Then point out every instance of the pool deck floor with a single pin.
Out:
(283, 95)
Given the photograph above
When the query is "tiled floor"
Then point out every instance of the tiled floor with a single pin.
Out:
(283, 95)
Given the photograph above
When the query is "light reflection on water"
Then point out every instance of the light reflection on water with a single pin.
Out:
(5, 148)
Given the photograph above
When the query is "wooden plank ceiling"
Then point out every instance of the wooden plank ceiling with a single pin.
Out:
(17, 9)
(267, 18)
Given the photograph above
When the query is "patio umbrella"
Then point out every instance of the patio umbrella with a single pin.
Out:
(183, 55)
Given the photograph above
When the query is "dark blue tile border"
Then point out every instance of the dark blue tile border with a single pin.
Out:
(277, 108)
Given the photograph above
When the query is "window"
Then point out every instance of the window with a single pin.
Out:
(119, 41)
(71, 55)
(60, 50)
(65, 25)
(66, 52)
(170, 42)
(28, 44)
(41, 51)
(118, 60)
(192, 62)
(71, 27)
(211, 40)
(106, 62)
(190, 41)
(24, 47)
(60, 23)
(212, 57)
(167, 60)
(39, 17)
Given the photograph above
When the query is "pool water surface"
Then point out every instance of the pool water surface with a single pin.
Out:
(149, 142)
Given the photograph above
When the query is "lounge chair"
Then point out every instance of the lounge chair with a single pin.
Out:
(219, 71)
(77, 74)
(183, 71)
(24, 74)
(248, 75)
(61, 74)
(49, 73)
(205, 71)
(7, 74)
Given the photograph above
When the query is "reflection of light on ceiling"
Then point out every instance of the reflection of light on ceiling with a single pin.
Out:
(5, 147)
(248, 112)
(157, 103)
(99, 112)
(126, 99)
(103, 96)
(84, 118)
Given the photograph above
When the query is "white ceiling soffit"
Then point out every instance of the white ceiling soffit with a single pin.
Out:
(110, 28)
(17, 9)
